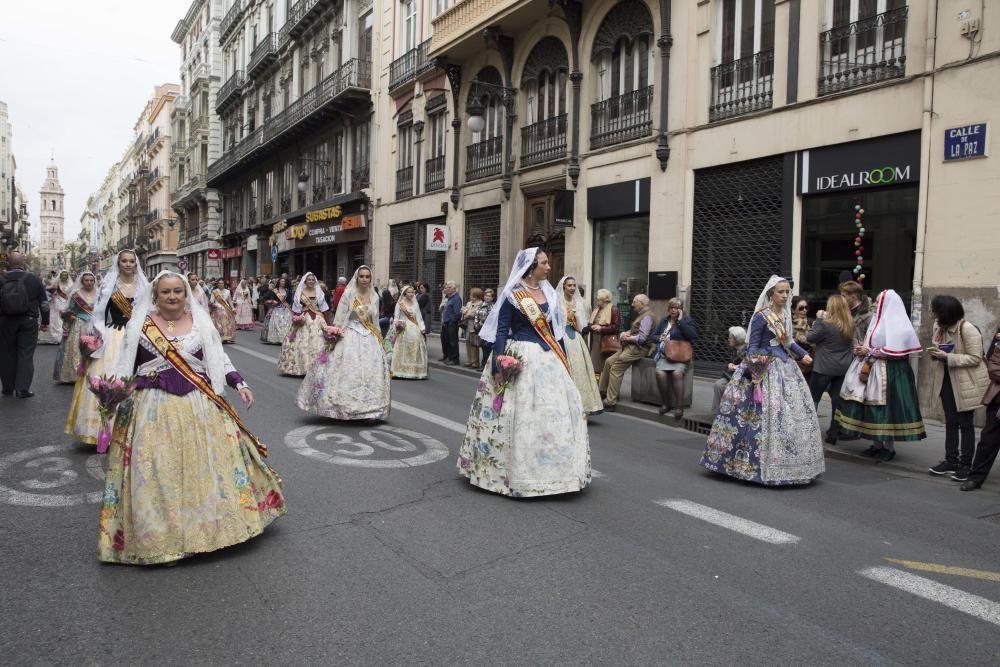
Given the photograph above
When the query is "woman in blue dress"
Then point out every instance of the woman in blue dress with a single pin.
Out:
(767, 431)
(533, 440)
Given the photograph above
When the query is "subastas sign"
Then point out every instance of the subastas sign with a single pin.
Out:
(872, 163)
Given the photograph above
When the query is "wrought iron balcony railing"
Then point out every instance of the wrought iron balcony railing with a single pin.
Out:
(230, 20)
(404, 183)
(301, 15)
(483, 159)
(230, 90)
(410, 65)
(543, 141)
(621, 118)
(263, 54)
(864, 52)
(742, 86)
(434, 174)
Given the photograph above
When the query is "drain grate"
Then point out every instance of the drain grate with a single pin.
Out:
(698, 426)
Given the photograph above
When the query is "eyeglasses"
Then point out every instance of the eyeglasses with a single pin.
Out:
(802, 308)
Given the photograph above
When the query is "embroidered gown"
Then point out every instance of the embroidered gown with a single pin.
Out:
(244, 310)
(304, 342)
(775, 441)
(537, 444)
(182, 477)
(352, 381)
(69, 358)
(409, 352)
(84, 421)
(580, 365)
(223, 316)
(278, 321)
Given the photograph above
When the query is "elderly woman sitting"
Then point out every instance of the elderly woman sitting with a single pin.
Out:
(737, 350)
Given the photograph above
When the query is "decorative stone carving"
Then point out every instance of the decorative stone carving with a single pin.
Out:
(629, 19)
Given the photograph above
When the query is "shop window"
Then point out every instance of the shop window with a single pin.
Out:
(621, 260)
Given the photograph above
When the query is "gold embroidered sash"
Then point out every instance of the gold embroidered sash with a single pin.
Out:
(777, 326)
(535, 315)
(170, 353)
(361, 310)
(223, 303)
(408, 315)
(123, 303)
(310, 305)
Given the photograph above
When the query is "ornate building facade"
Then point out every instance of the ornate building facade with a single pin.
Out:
(51, 217)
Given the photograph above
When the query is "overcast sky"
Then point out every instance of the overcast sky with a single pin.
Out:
(75, 74)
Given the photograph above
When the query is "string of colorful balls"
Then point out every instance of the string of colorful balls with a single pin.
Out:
(859, 250)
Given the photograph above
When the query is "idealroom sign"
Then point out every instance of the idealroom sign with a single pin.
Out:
(873, 163)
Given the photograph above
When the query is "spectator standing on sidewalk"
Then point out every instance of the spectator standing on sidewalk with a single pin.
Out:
(960, 379)
(800, 331)
(989, 440)
(832, 338)
(23, 301)
(450, 319)
(636, 344)
(737, 352)
(861, 308)
(489, 297)
(469, 311)
(426, 307)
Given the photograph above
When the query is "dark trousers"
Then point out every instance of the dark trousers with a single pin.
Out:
(989, 444)
(449, 341)
(18, 337)
(959, 432)
(487, 351)
(819, 384)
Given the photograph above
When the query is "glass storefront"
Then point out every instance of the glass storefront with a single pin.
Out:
(829, 232)
(621, 259)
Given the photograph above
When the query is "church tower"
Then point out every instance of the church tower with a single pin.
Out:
(50, 220)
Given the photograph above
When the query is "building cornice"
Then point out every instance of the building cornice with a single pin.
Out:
(185, 23)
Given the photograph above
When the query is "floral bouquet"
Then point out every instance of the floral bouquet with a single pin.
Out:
(298, 320)
(90, 343)
(757, 364)
(110, 391)
(67, 315)
(399, 325)
(331, 334)
(508, 368)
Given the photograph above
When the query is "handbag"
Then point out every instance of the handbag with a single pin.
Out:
(610, 344)
(678, 351)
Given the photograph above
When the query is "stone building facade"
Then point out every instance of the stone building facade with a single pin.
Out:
(51, 218)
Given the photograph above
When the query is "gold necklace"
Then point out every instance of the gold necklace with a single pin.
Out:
(170, 323)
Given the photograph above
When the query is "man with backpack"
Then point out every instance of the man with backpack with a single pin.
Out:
(22, 301)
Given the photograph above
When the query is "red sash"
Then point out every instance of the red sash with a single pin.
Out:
(535, 315)
(82, 304)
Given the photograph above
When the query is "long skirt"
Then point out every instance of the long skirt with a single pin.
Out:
(244, 316)
(277, 324)
(581, 366)
(409, 354)
(69, 357)
(224, 323)
(181, 479)
(536, 444)
(301, 347)
(84, 421)
(775, 441)
(54, 335)
(349, 383)
(899, 420)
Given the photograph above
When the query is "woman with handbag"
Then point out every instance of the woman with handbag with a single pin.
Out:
(605, 323)
(960, 379)
(674, 351)
(989, 439)
(879, 395)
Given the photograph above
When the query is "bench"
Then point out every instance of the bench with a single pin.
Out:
(644, 389)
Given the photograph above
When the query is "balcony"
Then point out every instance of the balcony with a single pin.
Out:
(483, 159)
(229, 91)
(864, 52)
(434, 174)
(263, 54)
(742, 86)
(230, 20)
(199, 124)
(154, 176)
(302, 14)
(404, 183)
(622, 118)
(543, 141)
(410, 65)
(467, 18)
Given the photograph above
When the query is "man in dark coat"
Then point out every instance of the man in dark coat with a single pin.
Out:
(22, 301)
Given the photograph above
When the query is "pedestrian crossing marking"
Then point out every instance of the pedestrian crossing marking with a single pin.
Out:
(737, 524)
(954, 598)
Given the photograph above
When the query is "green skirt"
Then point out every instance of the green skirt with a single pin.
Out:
(898, 420)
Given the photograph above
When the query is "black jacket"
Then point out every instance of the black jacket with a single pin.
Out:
(38, 298)
(685, 329)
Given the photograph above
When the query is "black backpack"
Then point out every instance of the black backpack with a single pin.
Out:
(13, 297)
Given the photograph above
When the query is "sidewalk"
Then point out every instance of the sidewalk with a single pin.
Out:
(914, 457)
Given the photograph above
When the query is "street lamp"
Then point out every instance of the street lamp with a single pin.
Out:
(474, 107)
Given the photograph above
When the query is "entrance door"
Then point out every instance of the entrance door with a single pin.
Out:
(540, 230)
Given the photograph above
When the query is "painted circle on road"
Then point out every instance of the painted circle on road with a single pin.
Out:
(28, 477)
(380, 447)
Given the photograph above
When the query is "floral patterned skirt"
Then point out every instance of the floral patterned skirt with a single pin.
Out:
(409, 354)
(54, 335)
(68, 359)
(775, 441)
(537, 443)
(244, 316)
(276, 325)
(351, 382)
(84, 421)
(301, 346)
(224, 323)
(181, 479)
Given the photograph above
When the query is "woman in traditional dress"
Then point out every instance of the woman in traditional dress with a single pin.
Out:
(352, 381)
(58, 290)
(536, 443)
(278, 321)
(244, 307)
(223, 314)
(606, 320)
(767, 431)
(581, 366)
(77, 320)
(409, 352)
(879, 395)
(304, 341)
(119, 289)
(184, 474)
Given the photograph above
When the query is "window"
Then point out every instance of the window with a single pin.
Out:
(546, 96)
(365, 37)
(405, 150)
(321, 170)
(865, 43)
(287, 178)
(440, 6)
(436, 133)
(408, 14)
(303, 77)
(626, 68)
(747, 28)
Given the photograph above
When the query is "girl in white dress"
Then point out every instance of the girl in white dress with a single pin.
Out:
(409, 353)
(577, 350)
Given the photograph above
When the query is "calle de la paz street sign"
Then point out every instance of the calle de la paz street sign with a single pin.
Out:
(962, 143)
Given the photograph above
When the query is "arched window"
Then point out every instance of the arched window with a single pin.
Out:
(623, 51)
(493, 108)
(544, 80)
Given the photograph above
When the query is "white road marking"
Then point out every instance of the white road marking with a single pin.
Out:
(351, 452)
(956, 599)
(52, 470)
(758, 531)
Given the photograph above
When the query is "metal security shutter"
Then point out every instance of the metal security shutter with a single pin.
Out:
(403, 251)
(482, 249)
(737, 245)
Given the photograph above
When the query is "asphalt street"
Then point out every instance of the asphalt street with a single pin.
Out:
(387, 556)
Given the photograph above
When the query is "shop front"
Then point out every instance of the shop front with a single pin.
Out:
(619, 214)
(417, 253)
(329, 239)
